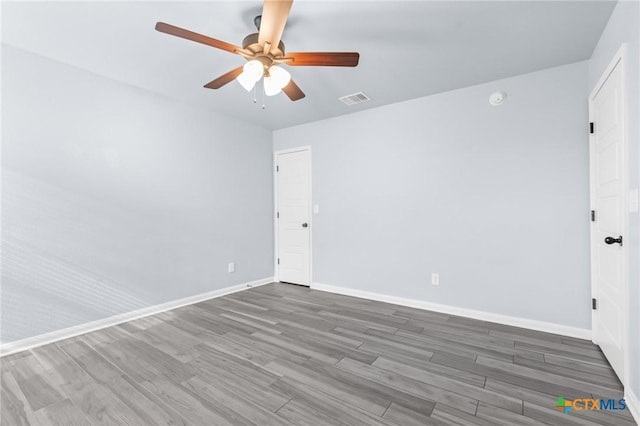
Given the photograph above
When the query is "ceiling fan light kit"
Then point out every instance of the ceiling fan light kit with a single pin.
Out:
(264, 52)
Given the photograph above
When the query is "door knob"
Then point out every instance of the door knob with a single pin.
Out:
(305, 225)
(611, 240)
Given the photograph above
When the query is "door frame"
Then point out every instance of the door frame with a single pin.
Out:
(276, 268)
(617, 60)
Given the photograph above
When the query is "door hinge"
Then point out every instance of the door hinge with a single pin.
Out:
(594, 304)
(591, 127)
(278, 261)
(593, 215)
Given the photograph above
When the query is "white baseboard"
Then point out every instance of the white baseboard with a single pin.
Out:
(54, 336)
(633, 404)
(581, 333)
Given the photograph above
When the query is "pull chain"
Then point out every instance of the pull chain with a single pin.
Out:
(255, 96)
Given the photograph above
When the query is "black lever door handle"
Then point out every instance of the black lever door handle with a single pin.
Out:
(305, 225)
(611, 240)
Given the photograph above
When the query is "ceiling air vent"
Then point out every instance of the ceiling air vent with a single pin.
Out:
(355, 98)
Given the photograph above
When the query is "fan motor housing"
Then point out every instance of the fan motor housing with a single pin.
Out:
(250, 43)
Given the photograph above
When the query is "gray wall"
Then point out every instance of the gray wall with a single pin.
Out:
(495, 199)
(624, 27)
(116, 199)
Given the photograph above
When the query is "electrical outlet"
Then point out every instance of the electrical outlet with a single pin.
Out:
(232, 267)
(435, 279)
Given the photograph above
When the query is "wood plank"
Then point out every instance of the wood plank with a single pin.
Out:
(527, 372)
(367, 387)
(475, 392)
(142, 402)
(257, 325)
(62, 413)
(187, 404)
(325, 335)
(594, 357)
(126, 356)
(92, 362)
(423, 363)
(181, 352)
(239, 304)
(423, 342)
(415, 387)
(600, 370)
(261, 396)
(610, 382)
(339, 411)
(371, 402)
(453, 416)
(451, 332)
(406, 417)
(498, 416)
(238, 350)
(60, 368)
(298, 413)
(9, 360)
(236, 403)
(160, 361)
(32, 380)
(499, 374)
(212, 360)
(14, 408)
(459, 346)
(330, 356)
(99, 405)
(329, 347)
(339, 319)
(266, 348)
(389, 341)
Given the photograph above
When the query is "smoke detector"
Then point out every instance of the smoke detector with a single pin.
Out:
(497, 98)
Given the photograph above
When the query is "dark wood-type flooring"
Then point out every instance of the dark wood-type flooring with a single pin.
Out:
(281, 354)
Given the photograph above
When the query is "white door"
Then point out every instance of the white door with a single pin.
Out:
(293, 205)
(608, 235)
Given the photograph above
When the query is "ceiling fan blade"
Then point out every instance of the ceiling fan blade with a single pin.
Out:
(293, 91)
(199, 38)
(322, 59)
(224, 79)
(274, 18)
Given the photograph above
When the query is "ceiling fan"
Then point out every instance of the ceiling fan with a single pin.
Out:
(265, 52)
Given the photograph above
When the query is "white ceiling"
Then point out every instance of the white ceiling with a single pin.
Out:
(407, 49)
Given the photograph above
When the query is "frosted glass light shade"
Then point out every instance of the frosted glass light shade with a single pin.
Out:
(246, 81)
(277, 79)
(271, 87)
(280, 76)
(254, 70)
(251, 73)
